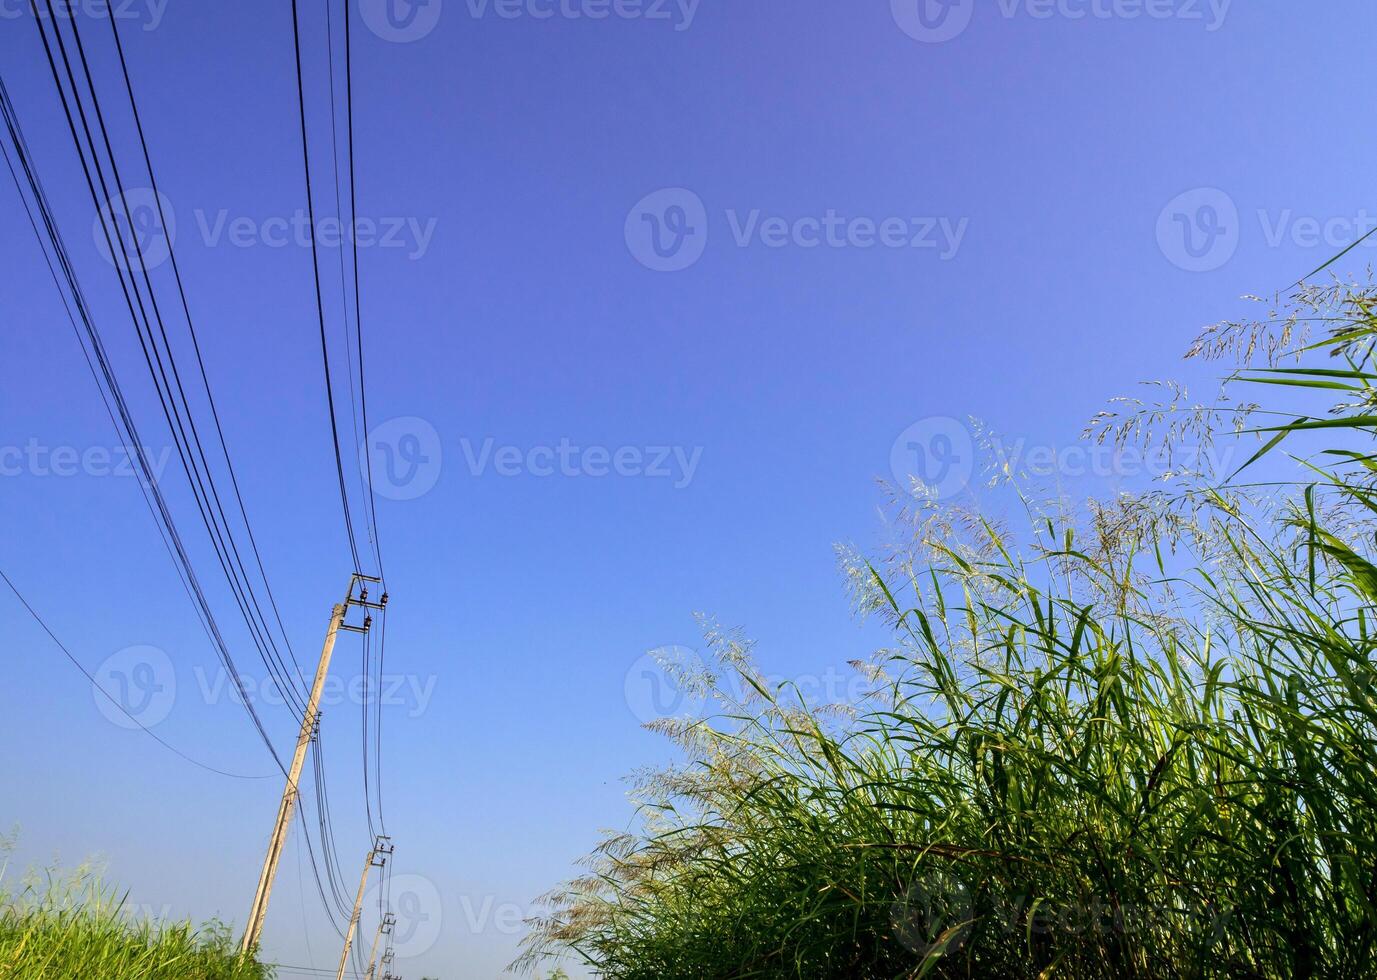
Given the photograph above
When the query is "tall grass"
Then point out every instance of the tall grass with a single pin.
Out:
(1139, 740)
(74, 928)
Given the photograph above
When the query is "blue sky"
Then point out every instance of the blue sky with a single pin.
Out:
(651, 301)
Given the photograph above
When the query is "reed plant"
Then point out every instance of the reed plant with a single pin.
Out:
(74, 927)
(1132, 737)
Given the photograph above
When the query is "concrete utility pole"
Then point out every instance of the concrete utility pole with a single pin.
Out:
(254, 929)
(377, 858)
(384, 929)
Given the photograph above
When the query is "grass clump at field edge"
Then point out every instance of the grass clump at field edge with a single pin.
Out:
(1137, 741)
(76, 929)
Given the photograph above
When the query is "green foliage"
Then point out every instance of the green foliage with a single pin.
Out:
(76, 929)
(1141, 743)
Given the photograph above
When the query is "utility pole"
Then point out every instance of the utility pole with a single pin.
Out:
(384, 929)
(254, 929)
(377, 858)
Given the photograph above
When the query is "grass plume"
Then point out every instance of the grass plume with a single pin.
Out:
(1139, 740)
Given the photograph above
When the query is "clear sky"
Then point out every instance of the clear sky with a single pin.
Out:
(653, 295)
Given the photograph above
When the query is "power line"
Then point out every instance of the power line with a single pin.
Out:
(196, 344)
(353, 387)
(363, 405)
(329, 849)
(221, 533)
(153, 493)
(160, 359)
(327, 839)
(343, 275)
(358, 306)
(328, 855)
(226, 547)
(110, 697)
(320, 303)
(11, 122)
(169, 388)
(363, 706)
(149, 483)
(377, 726)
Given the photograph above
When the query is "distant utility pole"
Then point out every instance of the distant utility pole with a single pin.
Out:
(377, 858)
(384, 929)
(309, 720)
(387, 961)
